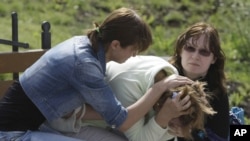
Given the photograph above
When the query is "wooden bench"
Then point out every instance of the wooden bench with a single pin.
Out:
(15, 62)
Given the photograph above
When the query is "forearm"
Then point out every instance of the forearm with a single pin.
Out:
(162, 121)
(142, 106)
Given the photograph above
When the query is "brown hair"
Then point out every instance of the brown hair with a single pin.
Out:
(125, 26)
(198, 110)
(215, 76)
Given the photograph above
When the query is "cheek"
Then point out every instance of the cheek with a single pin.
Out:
(208, 61)
(206, 66)
(184, 58)
(125, 55)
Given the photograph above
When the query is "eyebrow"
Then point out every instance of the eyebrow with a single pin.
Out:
(191, 44)
(195, 45)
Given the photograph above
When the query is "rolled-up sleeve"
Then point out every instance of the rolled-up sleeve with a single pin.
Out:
(90, 81)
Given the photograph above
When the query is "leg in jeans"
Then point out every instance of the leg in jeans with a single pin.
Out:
(33, 136)
(91, 133)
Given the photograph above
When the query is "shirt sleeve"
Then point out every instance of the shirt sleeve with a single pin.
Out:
(89, 80)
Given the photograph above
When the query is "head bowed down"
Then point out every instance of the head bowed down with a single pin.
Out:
(196, 113)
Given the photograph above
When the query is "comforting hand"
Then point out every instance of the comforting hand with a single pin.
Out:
(181, 105)
(172, 108)
(175, 80)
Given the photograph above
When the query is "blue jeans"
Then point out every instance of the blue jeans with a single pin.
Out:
(33, 136)
(89, 133)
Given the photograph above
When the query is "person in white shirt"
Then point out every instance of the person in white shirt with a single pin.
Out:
(130, 81)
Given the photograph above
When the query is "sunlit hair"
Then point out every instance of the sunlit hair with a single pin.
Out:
(124, 25)
(199, 109)
(215, 76)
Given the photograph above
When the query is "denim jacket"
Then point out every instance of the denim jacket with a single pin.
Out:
(69, 75)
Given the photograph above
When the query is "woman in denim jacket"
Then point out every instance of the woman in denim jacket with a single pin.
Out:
(73, 73)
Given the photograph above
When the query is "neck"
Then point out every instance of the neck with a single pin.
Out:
(194, 76)
(107, 56)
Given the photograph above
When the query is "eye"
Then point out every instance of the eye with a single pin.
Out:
(189, 48)
(204, 52)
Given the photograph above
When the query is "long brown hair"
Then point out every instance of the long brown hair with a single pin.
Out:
(124, 25)
(215, 77)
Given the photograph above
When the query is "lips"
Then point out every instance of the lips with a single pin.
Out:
(194, 64)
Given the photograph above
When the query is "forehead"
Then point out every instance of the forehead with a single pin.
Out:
(198, 41)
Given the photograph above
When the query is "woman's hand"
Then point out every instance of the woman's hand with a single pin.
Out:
(172, 108)
(173, 81)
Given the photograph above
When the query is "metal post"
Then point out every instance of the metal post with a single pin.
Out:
(46, 35)
(15, 38)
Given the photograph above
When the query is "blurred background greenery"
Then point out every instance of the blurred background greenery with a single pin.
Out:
(167, 19)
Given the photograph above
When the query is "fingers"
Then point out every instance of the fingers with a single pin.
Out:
(177, 96)
(182, 79)
(174, 80)
(180, 106)
(186, 106)
(183, 103)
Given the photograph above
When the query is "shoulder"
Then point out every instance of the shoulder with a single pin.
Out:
(79, 40)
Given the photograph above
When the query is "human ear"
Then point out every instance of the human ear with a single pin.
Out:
(115, 44)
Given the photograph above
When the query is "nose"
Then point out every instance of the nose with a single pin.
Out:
(195, 55)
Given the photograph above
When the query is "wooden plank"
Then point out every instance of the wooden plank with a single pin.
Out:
(18, 61)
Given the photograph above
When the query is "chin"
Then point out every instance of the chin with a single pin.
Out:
(119, 62)
(122, 61)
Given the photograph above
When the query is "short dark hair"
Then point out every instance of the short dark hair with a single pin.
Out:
(124, 25)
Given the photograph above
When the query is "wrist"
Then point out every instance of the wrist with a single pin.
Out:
(162, 121)
(160, 86)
